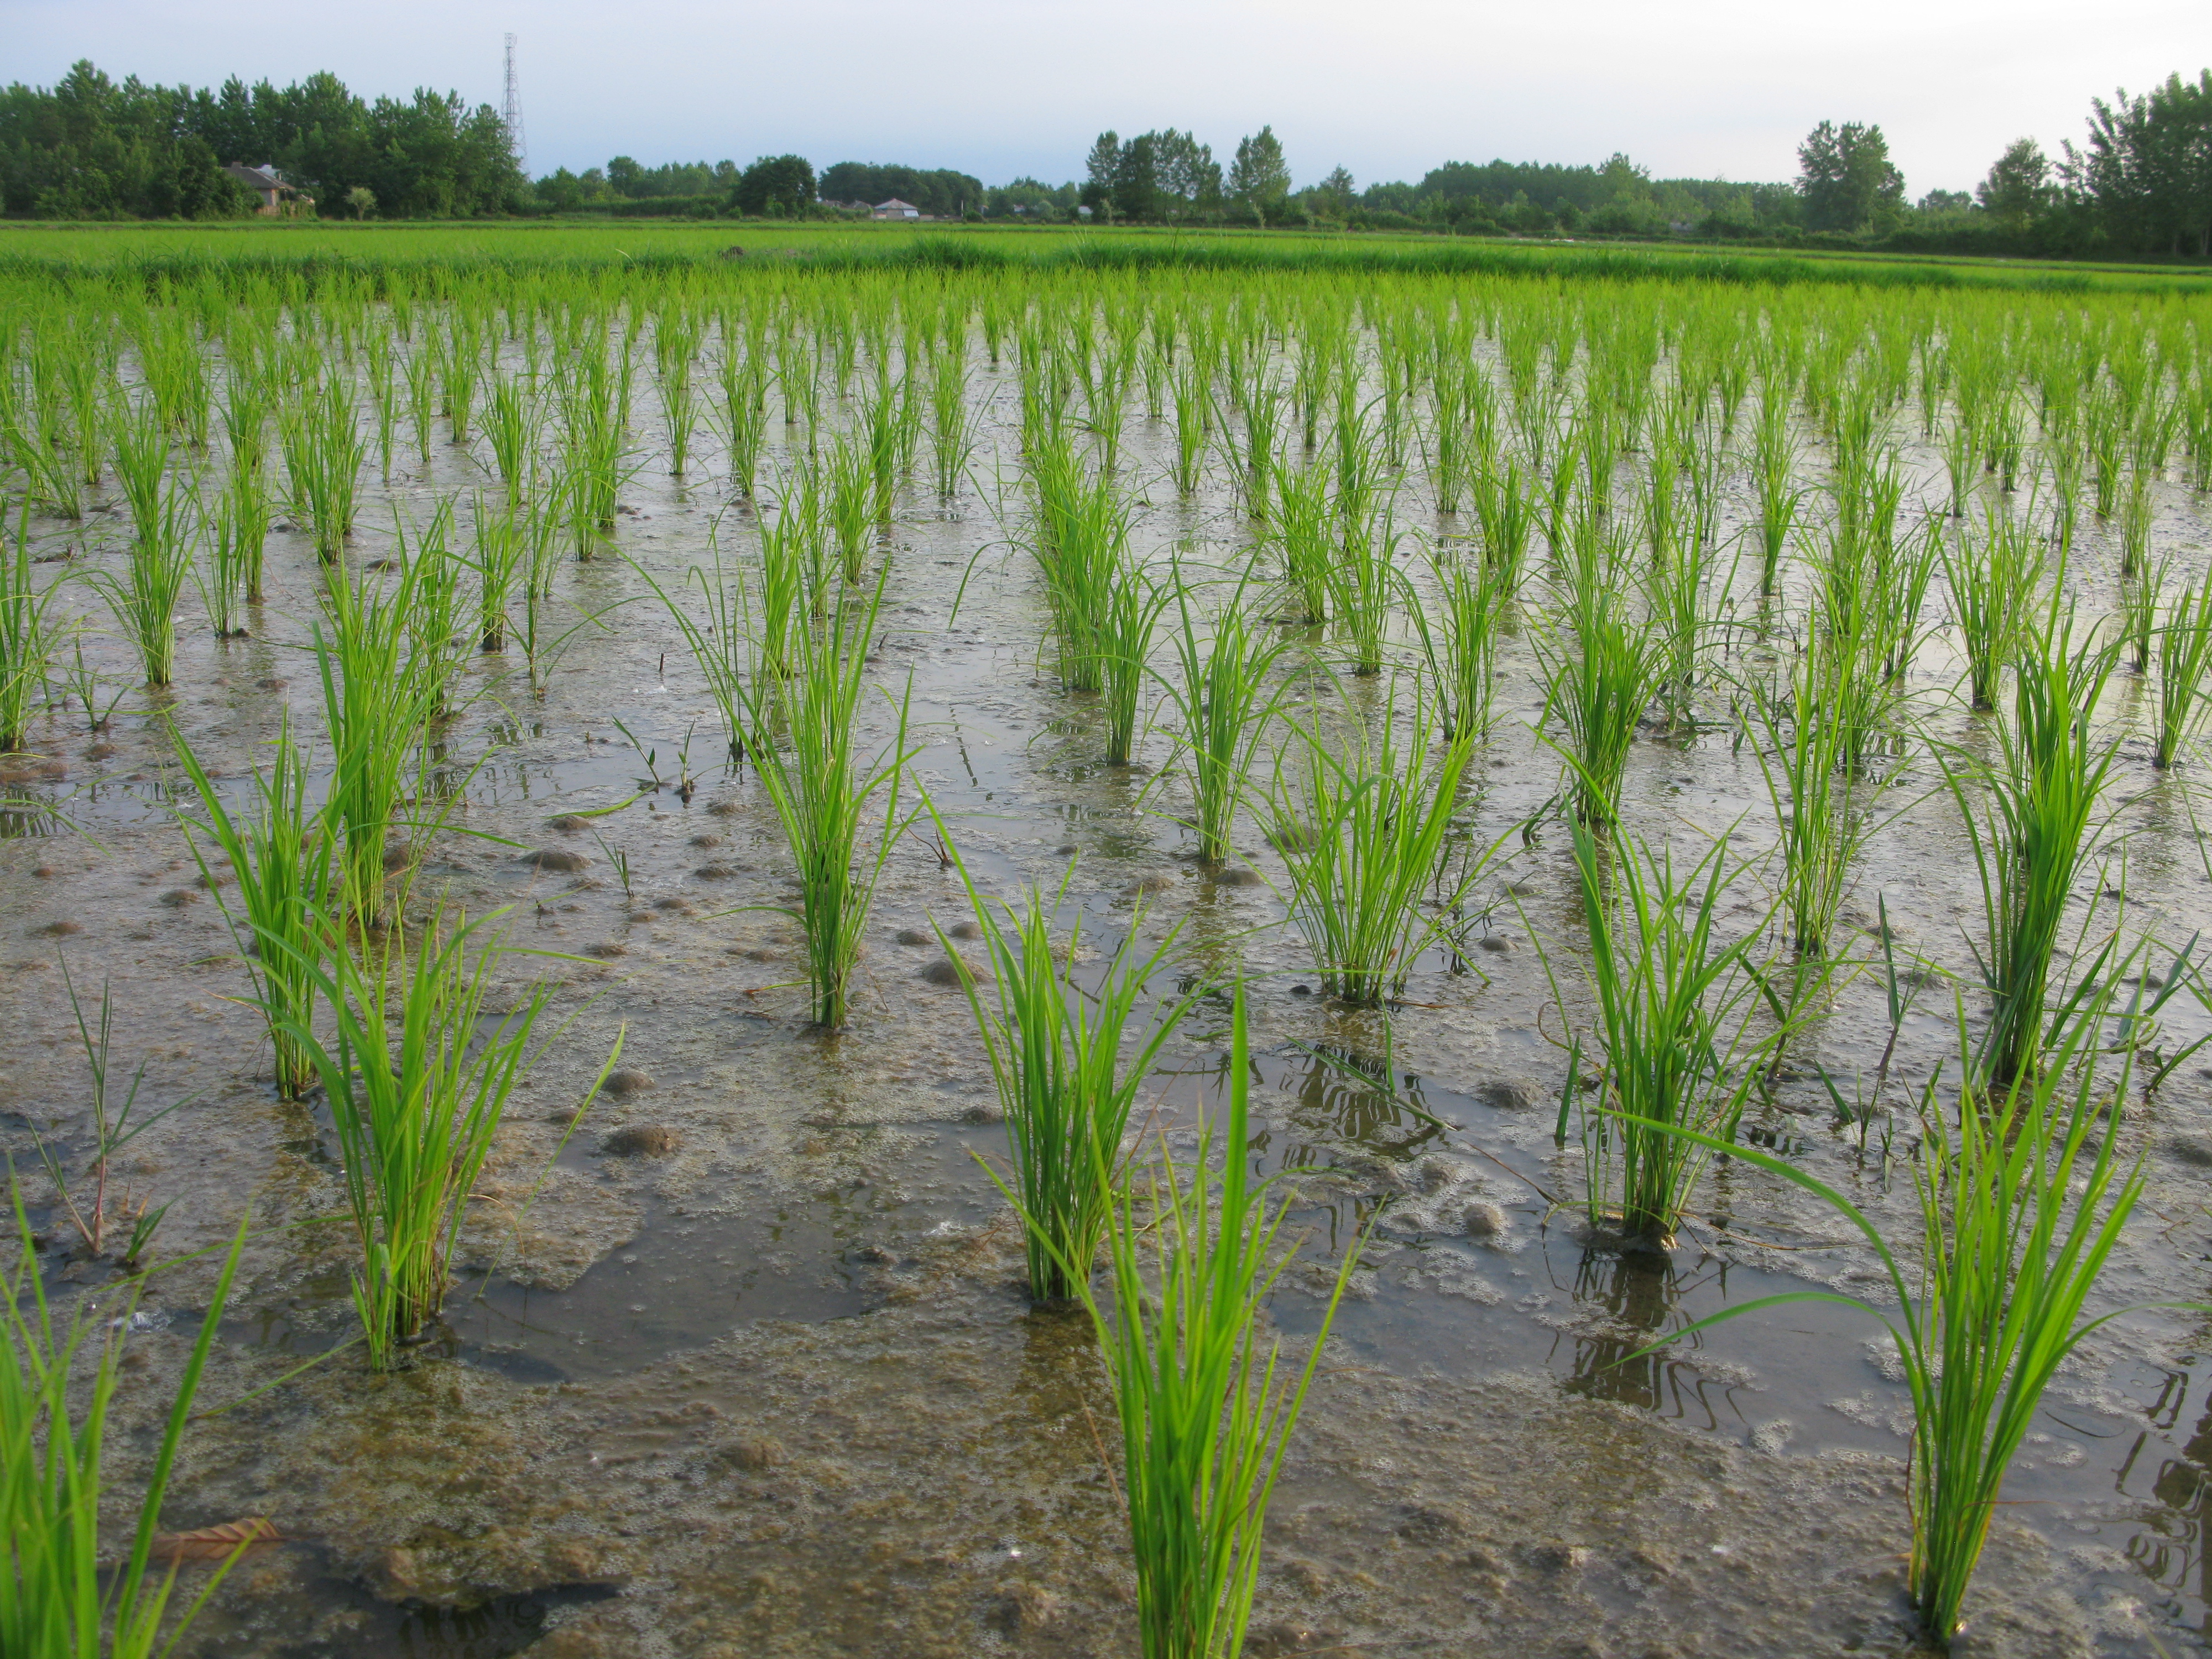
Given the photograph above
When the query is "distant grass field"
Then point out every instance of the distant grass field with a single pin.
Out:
(112, 249)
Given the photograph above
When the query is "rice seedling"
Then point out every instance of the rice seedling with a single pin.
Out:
(1458, 639)
(2021, 1206)
(144, 597)
(2136, 525)
(511, 422)
(1365, 837)
(1674, 1029)
(1081, 544)
(1133, 607)
(1365, 586)
(501, 552)
(2030, 819)
(1507, 513)
(1194, 419)
(1205, 1413)
(323, 454)
(1603, 674)
(376, 711)
(1068, 1058)
(1222, 704)
(27, 635)
(383, 401)
(806, 748)
(2139, 599)
(850, 505)
(111, 1131)
(61, 1597)
(2185, 655)
(418, 1073)
(1304, 530)
(742, 416)
(281, 854)
(675, 347)
(1992, 578)
(955, 425)
(52, 476)
(246, 502)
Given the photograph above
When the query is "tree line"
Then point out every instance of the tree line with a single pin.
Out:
(90, 147)
(2140, 182)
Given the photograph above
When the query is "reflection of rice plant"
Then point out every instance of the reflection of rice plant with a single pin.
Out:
(1069, 1060)
(1364, 836)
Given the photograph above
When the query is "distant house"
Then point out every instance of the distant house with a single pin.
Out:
(278, 199)
(895, 209)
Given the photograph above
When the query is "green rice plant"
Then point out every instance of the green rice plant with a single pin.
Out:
(140, 440)
(246, 501)
(1206, 1415)
(955, 425)
(1069, 1056)
(1304, 528)
(60, 1597)
(2021, 1204)
(27, 634)
(433, 589)
(594, 453)
(323, 454)
(376, 712)
(2139, 597)
(1992, 577)
(717, 643)
(851, 512)
(1222, 703)
(1602, 673)
(502, 554)
(1507, 513)
(1193, 418)
(1081, 543)
(1365, 837)
(281, 855)
(1674, 1029)
(418, 1073)
(1774, 474)
(459, 366)
(223, 585)
(2185, 656)
(675, 345)
(383, 401)
(144, 597)
(511, 423)
(743, 415)
(2030, 818)
(1125, 647)
(39, 444)
(1459, 632)
(1810, 745)
(111, 1131)
(2136, 525)
(806, 752)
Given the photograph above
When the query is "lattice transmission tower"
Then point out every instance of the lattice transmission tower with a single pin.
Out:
(514, 113)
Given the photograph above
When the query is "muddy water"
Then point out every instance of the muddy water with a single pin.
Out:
(743, 1366)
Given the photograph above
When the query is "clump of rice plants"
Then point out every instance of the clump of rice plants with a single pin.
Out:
(806, 750)
(1206, 1413)
(418, 1073)
(2030, 818)
(1992, 577)
(1676, 1038)
(1603, 671)
(1069, 1058)
(27, 636)
(323, 454)
(1366, 836)
(61, 1596)
(2185, 656)
(1459, 638)
(1222, 704)
(282, 854)
(2021, 1206)
(167, 511)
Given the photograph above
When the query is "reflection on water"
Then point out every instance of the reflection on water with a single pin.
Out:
(1640, 1295)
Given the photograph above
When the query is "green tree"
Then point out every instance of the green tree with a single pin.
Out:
(361, 202)
(775, 186)
(2019, 187)
(1188, 177)
(1333, 197)
(1136, 184)
(1259, 178)
(2146, 172)
(1846, 178)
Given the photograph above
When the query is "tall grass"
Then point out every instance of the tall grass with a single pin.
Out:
(61, 1596)
(1366, 835)
(1069, 1056)
(1206, 1410)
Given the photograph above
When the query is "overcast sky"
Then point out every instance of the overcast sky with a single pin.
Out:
(1001, 87)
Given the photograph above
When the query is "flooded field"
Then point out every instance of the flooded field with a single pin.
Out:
(742, 1360)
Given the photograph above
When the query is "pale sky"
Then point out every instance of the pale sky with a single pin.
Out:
(1001, 87)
